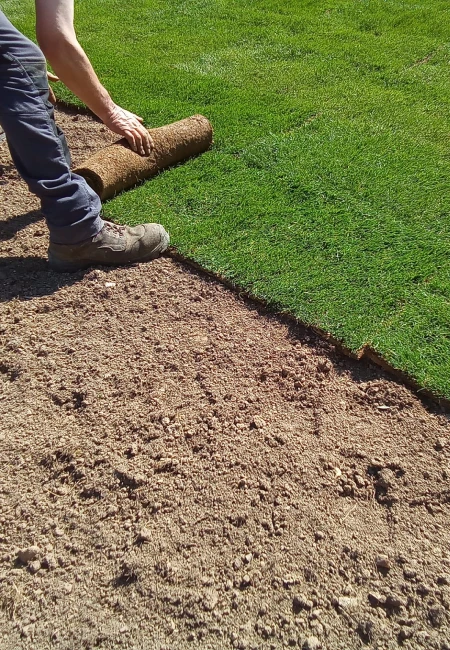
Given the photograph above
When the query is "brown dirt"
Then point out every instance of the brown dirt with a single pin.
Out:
(195, 473)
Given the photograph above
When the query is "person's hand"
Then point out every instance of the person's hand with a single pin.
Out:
(130, 126)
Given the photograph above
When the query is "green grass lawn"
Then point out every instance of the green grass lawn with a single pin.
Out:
(327, 191)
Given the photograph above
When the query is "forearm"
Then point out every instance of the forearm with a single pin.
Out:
(73, 67)
(56, 36)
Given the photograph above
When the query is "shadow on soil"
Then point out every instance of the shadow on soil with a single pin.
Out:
(360, 371)
(29, 277)
(19, 222)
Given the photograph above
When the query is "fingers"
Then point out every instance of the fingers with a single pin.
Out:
(51, 95)
(131, 140)
(147, 143)
(142, 140)
(131, 126)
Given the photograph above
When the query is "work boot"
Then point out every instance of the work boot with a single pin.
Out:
(112, 246)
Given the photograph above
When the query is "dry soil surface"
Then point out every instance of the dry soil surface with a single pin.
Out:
(181, 469)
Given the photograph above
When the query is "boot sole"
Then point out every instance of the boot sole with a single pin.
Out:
(64, 266)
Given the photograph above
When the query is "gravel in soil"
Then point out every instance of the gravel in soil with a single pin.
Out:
(182, 469)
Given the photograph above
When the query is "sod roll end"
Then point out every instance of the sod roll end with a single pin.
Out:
(117, 167)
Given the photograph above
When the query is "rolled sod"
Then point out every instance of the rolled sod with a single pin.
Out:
(117, 167)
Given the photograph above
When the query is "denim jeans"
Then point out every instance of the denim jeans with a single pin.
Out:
(38, 147)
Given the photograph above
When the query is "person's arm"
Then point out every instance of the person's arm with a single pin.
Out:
(57, 39)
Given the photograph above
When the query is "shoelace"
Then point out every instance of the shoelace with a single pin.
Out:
(115, 228)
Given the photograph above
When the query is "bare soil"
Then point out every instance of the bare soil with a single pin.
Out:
(181, 469)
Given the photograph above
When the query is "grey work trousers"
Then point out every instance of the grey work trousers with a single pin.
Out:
(38, 147)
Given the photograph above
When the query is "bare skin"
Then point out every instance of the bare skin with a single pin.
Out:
(57, 39)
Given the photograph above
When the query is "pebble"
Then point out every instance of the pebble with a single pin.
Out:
(319, 534)
(394, 601)
(58, 532)
(376, 599)
(409, 572)
(34, 567)
(383, 562)
(423, 589)
(246, 580)
(311, 643)
(300, 601)
(366, 629)
(437, 616)
(360, 482)
(385, 479)
(210, 599)
(144, 535)
(258, 422)
(440, 444)
(405, 633)
(345, 602)
(29, 554)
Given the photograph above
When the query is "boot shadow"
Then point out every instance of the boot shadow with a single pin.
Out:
(23, 278)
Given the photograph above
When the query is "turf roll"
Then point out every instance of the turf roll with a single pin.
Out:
(117, 167)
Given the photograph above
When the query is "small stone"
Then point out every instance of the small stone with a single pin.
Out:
(130, 480)
(29, 554)
(67, 587)
(300, 601)
(436, 616)
(443, 579)
(376, 599)
(144, 535)
(405, 633)
(246, 581)
(409, 572)
(258, 423)
(263, 610)
(345, 603)
(210, 599)
(319, 534)
(359, 480)
(385, 479)
(383, 562)
(440, 444)
(365, 629)
(394, 601)
(34, 567)
(58, 532)
(423, 589)
(311, 643)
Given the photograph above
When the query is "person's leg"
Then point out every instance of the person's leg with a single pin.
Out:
(38, 147)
